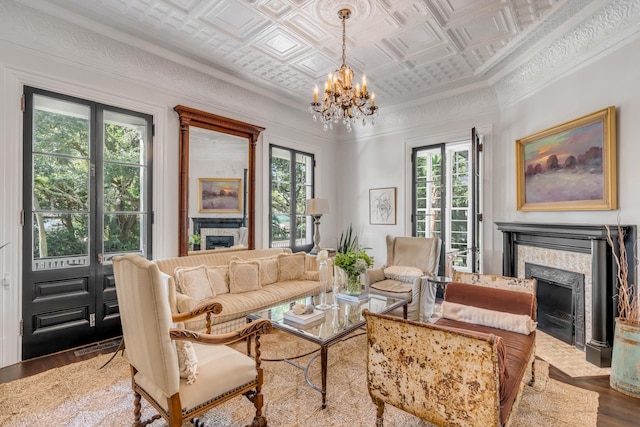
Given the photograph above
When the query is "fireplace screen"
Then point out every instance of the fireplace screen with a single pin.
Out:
(560, 295)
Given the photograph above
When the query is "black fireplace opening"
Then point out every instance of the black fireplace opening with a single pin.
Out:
(219, 242)
(556, 310)
(560, 298)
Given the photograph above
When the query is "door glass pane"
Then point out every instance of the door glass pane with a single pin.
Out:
(60, 240)
(60, 127)
(122, 233)
(122, 188)
(124, 170)
(459, 203)
(60, 183)
(428, 193)
(304, 191)
(124, 138)
(291, 186)
(280, 197)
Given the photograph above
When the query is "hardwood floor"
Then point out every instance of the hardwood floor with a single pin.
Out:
(615, 409)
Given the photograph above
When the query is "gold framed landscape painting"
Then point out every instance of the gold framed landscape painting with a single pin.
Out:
(571, 166)
(220, 195)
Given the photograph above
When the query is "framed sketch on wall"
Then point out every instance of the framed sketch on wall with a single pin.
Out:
(220, 195)
(571, 166)
(382, 206)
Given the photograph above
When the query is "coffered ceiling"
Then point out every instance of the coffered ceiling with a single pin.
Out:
(408, 49)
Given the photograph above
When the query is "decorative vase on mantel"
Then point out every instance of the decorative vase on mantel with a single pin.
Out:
(353, 285)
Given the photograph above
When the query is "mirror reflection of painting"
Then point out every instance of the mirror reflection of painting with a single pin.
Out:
(220, 194)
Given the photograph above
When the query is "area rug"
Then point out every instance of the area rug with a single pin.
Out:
(81, 395)
(566, 357)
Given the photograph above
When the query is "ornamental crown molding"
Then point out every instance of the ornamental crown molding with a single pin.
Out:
(615, 22)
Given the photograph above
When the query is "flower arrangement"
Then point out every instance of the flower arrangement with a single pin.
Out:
(354, 263)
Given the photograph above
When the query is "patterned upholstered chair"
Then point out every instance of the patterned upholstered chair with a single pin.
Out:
(409, 261)
(163, 359)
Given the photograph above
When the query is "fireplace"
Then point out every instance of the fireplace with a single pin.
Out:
(578, 248)
(219, 242)
(560, 294)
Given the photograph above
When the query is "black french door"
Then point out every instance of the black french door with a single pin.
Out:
(87, 197)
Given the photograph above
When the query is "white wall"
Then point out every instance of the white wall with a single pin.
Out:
(384, 160)
(611, 80)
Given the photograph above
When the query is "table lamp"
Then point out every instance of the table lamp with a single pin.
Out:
(316, 208)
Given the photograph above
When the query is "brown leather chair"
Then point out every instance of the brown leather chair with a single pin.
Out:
(150, 340)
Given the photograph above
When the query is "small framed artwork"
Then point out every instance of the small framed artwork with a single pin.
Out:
(220, 195)
(382, 206)
(571, 166)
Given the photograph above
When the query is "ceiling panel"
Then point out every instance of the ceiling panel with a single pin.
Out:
(407, 48)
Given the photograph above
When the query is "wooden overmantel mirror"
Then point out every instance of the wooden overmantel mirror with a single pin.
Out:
(217, 180)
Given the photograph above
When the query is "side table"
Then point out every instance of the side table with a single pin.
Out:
(430, 309)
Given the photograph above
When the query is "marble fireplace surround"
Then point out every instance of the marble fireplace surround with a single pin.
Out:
(573, 247)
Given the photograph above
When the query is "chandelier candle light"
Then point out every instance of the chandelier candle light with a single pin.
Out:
(341, 101)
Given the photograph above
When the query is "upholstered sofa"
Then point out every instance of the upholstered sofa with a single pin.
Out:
(467, 368)
(241, 281)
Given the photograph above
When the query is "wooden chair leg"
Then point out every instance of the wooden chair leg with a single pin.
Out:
(259, 420)
(532, 381)
(380, 414)
(136, 410)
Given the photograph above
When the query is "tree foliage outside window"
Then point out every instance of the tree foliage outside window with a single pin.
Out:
(61, 182)
(291, 185)
(431, 210)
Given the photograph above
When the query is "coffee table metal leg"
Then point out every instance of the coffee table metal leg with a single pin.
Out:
(323, 364)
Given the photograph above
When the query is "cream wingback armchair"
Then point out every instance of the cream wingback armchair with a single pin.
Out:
(179, 372)
(409, 261)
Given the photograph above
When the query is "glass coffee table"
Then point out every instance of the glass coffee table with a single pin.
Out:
(338, 322)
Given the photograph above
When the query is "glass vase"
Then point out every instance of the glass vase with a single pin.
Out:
(354, 285)
(324, 276)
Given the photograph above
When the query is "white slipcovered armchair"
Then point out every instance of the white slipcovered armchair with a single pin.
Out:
(409, 261)
(179, 379)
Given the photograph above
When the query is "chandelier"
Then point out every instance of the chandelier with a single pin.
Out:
(342, 102)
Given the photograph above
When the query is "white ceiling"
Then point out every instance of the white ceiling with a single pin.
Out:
(409, 49)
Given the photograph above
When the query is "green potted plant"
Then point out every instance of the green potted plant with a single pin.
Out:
(194, 239)
(625, 376)
(352, 260)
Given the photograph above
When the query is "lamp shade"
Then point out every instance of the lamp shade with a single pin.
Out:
(317, 206)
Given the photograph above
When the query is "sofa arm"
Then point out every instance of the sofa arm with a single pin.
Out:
(184, 303)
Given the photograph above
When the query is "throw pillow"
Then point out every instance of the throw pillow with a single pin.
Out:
(402, 273)
(187, 361)
(291, 266)
(268, 270)
(219, 278)
(520, 323)
(194, 282)
(244, 276)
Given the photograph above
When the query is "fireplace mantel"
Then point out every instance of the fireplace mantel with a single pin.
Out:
(582, 238)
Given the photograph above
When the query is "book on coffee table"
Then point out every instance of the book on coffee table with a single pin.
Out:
(354, 298)
(304, 319)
